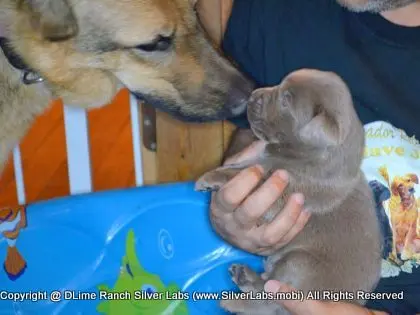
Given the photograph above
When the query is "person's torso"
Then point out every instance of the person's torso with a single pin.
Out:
(283, 36)
(380, 62)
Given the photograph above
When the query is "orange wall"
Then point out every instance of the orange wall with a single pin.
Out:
(44, 158)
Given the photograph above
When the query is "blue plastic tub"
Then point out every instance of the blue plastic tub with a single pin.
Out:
(149, 244)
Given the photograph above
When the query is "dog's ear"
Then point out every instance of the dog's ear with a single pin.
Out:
(53, 18)
(321, 131)
(414, 178)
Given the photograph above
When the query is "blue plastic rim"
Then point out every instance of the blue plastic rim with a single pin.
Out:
(151, 242)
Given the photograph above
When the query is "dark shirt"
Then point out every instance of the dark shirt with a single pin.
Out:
(380, 61)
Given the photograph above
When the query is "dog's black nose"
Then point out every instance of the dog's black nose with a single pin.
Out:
(239, 108)
(412, 190)
(238, 95)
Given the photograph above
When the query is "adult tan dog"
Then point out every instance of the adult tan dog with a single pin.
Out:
(85, 50)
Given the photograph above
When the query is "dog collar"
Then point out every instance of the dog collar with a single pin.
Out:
(29, 76)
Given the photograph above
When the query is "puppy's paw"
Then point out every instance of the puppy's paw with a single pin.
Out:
(213, 180)
(245, 278)
(206, 183)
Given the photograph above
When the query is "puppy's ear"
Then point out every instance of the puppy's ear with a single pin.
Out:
(321, 131)
(53, 18)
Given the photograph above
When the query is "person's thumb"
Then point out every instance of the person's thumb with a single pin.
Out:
(295, 303)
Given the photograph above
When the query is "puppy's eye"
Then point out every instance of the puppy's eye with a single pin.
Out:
(161, 43)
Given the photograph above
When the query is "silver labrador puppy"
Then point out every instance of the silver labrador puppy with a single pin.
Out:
(311, 129)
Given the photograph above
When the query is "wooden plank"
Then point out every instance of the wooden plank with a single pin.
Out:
(228, 129)
(186, 151)
(149, 160)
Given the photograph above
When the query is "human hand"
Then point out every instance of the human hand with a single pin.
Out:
(236, 208)
(314, 307)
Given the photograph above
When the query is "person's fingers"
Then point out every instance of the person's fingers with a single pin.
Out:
(234, 192)
(296, 229)
(250, 152)
(261, 200)
(295, 306)
(284, 221)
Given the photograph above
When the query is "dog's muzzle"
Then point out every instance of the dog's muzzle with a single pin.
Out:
(238, 96)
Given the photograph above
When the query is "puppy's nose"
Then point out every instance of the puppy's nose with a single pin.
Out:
(412, 190)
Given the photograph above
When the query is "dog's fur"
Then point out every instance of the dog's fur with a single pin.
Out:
(404, 212)
(87, 49)
(312, 131)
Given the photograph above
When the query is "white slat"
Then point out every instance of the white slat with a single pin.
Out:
(20, 184)
(78, 156)
(136, 131)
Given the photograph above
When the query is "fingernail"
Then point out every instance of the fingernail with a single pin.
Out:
(283, 175)
(272, 286)
(299, 198)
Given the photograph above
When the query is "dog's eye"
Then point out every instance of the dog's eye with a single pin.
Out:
(161, 43)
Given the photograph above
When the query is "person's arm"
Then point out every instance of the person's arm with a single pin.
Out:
(214, 15)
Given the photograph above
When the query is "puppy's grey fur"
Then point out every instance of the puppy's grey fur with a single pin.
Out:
(312, 131)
